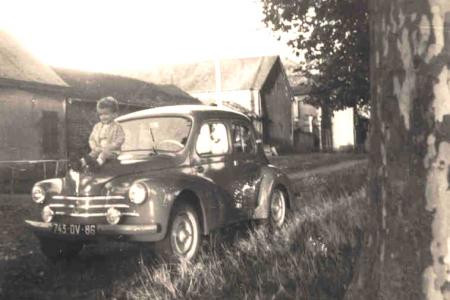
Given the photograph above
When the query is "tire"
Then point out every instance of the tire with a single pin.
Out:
(56, 250)
(183, 237)
(278, 209)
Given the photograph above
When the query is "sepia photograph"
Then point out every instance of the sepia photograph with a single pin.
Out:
(225, 149)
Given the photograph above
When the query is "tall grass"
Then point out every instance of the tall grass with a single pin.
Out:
(311, 258)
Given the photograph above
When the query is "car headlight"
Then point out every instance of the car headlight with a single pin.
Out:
(38, 194)
(137, 193)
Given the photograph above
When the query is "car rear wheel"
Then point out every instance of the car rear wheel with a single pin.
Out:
(55, 249)
(278, 209)
(183, 237)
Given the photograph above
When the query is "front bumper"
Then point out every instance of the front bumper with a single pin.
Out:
(132, 232)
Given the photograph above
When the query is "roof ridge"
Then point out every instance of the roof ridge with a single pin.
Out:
(245, 73)
(20, 64)
(92, 85)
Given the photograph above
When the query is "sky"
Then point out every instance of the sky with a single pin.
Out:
(109, 35)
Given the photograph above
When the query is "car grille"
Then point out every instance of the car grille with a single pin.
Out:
(88, 207)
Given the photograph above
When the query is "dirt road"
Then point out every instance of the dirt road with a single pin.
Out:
(326, 169)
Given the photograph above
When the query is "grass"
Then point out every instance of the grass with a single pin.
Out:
(311, 258)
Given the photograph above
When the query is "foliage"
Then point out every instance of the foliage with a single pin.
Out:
(333, 35)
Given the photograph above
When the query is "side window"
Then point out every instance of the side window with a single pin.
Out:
(212, 139)
(243, 141)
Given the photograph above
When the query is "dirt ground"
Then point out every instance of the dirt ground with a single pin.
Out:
(25, 271)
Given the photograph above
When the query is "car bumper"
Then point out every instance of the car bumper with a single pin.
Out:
(119, 231)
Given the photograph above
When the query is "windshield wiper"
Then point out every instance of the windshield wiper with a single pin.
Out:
(153, 140)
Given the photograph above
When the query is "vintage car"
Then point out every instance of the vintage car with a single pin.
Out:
(183, 172)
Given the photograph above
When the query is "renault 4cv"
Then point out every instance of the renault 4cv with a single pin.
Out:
(183, 171)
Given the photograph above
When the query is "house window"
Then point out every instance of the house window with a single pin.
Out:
(50, 132)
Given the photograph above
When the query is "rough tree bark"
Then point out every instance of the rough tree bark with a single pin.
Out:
(406, 252)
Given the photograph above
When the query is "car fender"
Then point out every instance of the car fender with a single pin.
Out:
(271, 178)
(166, 192)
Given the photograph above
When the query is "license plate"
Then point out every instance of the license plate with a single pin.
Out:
(74, 229)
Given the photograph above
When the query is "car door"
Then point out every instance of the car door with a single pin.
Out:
(212, 161)
(246, 167)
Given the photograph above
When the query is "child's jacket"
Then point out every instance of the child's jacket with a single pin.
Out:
(106, 138)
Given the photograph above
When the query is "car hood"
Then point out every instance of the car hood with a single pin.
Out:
(92, 182)
(135, 164)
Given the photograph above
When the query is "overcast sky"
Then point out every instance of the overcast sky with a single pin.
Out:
(108, 35)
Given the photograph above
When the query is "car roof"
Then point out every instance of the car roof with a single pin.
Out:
(182, 110)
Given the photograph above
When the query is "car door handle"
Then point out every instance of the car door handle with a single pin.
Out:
(199, 169)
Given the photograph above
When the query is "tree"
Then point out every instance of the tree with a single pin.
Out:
(406, 251)
(333, 37)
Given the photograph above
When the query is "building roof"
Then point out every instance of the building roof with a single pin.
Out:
(237, 74)
(178, 109)
(92, 86)
(18, 64)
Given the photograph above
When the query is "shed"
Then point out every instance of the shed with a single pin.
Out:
(32, 106)
(32, 114)
(338, 130)
(132, 94)
(258, 84)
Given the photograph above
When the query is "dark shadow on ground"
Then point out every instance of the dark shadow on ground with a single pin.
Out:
(91, 275)
(100, 267)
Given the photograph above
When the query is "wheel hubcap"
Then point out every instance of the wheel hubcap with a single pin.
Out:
(184, 235)
(278, 208)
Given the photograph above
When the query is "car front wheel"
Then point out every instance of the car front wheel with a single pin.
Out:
(183, 238)
(55, 249)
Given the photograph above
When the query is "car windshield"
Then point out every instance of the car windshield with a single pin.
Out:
(168, 134)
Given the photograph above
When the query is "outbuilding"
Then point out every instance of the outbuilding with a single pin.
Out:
(87, 87)
(32, 106)
(258, 84)
(333, 130)
(32, 115)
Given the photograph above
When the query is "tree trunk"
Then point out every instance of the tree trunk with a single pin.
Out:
(326, 128)
(406, 251)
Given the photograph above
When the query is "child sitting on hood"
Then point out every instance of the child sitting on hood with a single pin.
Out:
(107, 136)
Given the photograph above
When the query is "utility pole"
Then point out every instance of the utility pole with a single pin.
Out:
(218, 75)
